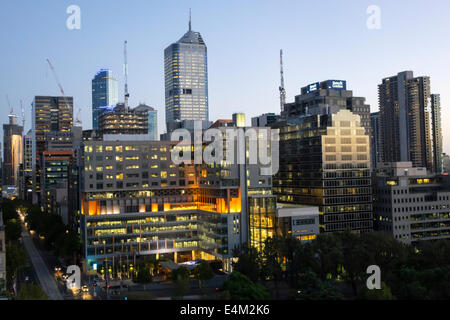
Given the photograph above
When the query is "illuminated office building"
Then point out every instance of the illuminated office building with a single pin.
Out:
(12, 151)
(411, 204)
(105, 93)
(49, 114)
(325, 162)
(140, 120)
(186, 80)
(136, 202)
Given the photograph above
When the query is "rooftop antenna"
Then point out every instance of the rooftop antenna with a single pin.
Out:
(282, 90)
(125, 70)
(11, 110)
(190, 20)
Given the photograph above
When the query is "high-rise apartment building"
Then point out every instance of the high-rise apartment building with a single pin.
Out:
(405, 119)
(376, 139)
(49, 114)
(186, 80)
(325, 162)
(410, 203)
(12, 151)
(105, 93)
(436, 130)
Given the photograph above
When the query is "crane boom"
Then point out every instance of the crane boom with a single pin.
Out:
(58, 83)
(282, 90)
(125, 71)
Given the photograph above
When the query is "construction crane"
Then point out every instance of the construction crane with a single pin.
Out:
(125, 71)
(77, 119)
(11, 111)
(281, 88)
(58, 83)
(23, 114)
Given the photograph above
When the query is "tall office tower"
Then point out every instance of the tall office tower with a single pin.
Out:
(325, 162)
(410, 203)
(405, 119)
(152, 119)
(49, 114)
(12, 151)
(26, 174)
(328, 97)
(265, 120)
(436, 130)
(376, 140)
(186, 80)
(105, 93)
(238, 119)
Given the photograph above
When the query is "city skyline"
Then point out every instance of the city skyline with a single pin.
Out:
(257, 92)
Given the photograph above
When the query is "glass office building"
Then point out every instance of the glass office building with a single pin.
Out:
(186, 80)
(104, 93)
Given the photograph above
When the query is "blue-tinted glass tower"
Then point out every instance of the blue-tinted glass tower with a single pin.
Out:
(104, 93)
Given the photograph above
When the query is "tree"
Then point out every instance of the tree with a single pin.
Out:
(311, 287)
(180, 278)
(248, 262)
(272, 260)
(144, 275)
(377, 294)
(240, 287)
(16, 259)
(203, 272)
(31, 292)
(327, 250)
(13, 230)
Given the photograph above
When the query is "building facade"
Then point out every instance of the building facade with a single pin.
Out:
(105, 93)
(325, 162)
(49, 114)
(411, 204)
(264, 120)
(376, 140)
(136, 202)
(186, 80)
(436, 130)
(12, 151)
(405, 119)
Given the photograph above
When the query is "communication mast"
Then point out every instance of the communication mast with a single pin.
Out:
(125, 70)
(282, 90)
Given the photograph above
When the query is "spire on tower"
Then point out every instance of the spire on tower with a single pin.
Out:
(190, 20)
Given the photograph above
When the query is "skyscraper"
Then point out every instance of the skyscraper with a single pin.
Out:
(436, 130)
(49, 114)
(405, 119)
(104, 93)
(12, 151)
(186, 79)
(376, 140)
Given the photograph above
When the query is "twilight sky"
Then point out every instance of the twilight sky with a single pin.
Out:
(320, 39)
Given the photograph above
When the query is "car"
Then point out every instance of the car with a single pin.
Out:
(84, 288)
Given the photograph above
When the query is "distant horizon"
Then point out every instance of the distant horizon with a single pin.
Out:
(320, 41)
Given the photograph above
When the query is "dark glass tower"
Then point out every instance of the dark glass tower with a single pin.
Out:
(186, 79)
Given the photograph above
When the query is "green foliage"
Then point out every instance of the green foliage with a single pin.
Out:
(31, 292)
(311, 287)
(13, 230)
(203, 271)
(240, 287)
(9, 210)
(248, 263)
(377, 294)
(144, 275)
(180, 279)
(16, 259)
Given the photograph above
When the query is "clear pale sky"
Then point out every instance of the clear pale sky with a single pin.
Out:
(320, 39)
